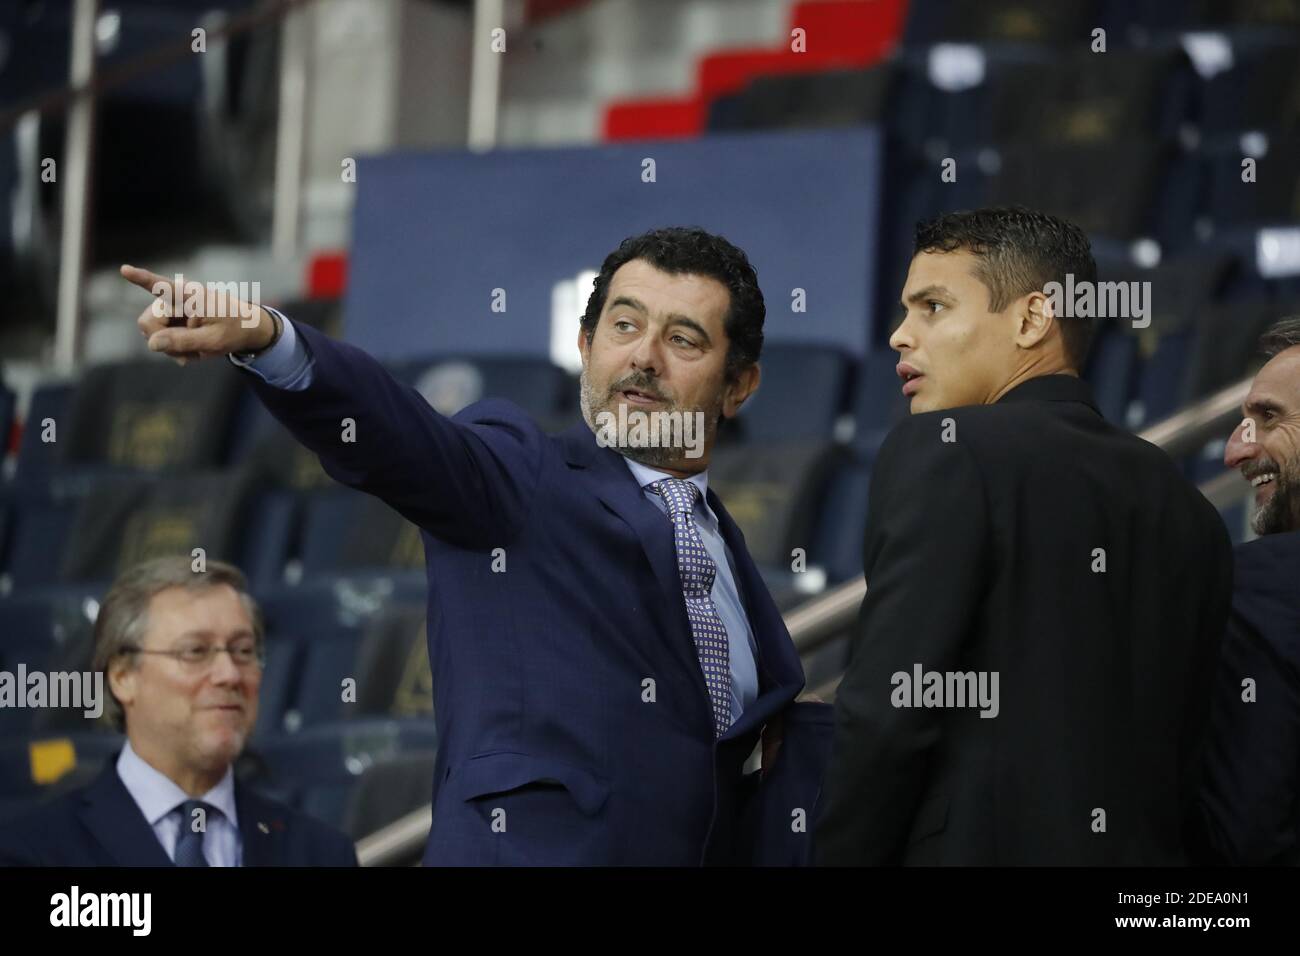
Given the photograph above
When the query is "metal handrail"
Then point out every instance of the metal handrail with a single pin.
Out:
(815, 623)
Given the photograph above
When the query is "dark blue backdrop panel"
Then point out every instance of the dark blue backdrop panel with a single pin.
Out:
(436, 233)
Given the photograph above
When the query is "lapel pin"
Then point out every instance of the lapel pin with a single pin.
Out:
(263, 827)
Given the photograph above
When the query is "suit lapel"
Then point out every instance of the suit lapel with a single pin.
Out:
(778, 662)
(261, 827)
(617, 489)
(780, 671)
(111, 815)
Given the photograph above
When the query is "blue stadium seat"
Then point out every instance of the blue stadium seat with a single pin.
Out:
(837, 545)
(1112, 372)
(451, 382)
(325, 662)
(279, 679)
(878, 400)
(801, 395)
(1020, 21)
(329, 545)
(268, 537)
(317, 768)
(39, 528)
(1162, 384)
(37, 459)
(1245, 96)
(1230, 202)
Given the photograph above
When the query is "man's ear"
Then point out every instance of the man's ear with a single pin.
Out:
(737, 391)
(121, 673)
(1035, 318)
(584, 346)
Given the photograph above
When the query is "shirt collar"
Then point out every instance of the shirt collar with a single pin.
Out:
(157, 795)
(646, 475)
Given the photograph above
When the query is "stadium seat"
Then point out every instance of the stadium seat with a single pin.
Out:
(842, 516)
(1245, 95)
(832, 98)
(150, 415)
(1162, 383)
(878, 400)
(330, 545)
(325, 662)
(128, 519)
(802, 394)
(1112, 371)
(393, 675)
(279, 681)
(1085, 97)
(387, 790)
(40, 525)
(771, 492)
(1106, 190)
(1271, 197)
(39, 459)
(1020, 21)
(450, 383)
(318, 768)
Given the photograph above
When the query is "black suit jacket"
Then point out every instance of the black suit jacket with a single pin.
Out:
(1250, 799)
(980, 554)
(101, 825)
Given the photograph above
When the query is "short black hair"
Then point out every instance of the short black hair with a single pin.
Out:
(683, 250)
(1019, 251)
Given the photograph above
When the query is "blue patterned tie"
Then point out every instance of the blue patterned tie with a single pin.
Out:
(189, 845)
(697, 571)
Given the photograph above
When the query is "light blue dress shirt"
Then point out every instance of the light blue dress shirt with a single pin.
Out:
(287, 364)
(159, 799)
(741, 651)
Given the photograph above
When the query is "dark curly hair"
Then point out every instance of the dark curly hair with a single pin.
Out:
(1019, 251)
(681, 250)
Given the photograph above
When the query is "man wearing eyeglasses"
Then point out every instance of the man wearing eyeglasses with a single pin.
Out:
(182, 654)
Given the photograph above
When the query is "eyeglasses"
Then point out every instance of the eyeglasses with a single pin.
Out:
(199, 656)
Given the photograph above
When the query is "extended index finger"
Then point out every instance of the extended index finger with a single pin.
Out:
(151, 282)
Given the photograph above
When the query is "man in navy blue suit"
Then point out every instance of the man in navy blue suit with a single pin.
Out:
(181, 651)
(1250, 798)
(604, 653)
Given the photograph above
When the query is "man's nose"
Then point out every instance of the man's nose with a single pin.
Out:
(223, 669)
(902, 338)
(646, 357)
(1239, 450)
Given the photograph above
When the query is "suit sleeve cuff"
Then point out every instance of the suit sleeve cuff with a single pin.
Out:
(287, 364)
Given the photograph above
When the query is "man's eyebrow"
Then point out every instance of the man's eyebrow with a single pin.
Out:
(629, 302)
(1262, 405)
(204, 633)
(929, 292)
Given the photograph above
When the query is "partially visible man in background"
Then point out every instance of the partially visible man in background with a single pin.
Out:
(1031, 674)
(1251, 797)
(182, 654)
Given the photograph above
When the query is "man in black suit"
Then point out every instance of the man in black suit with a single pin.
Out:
(182, 654)
(1250, 800)
(1031, 675)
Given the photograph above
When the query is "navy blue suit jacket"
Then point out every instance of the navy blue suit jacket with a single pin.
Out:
(573, 718)
(101, 825)
(1250, 800)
